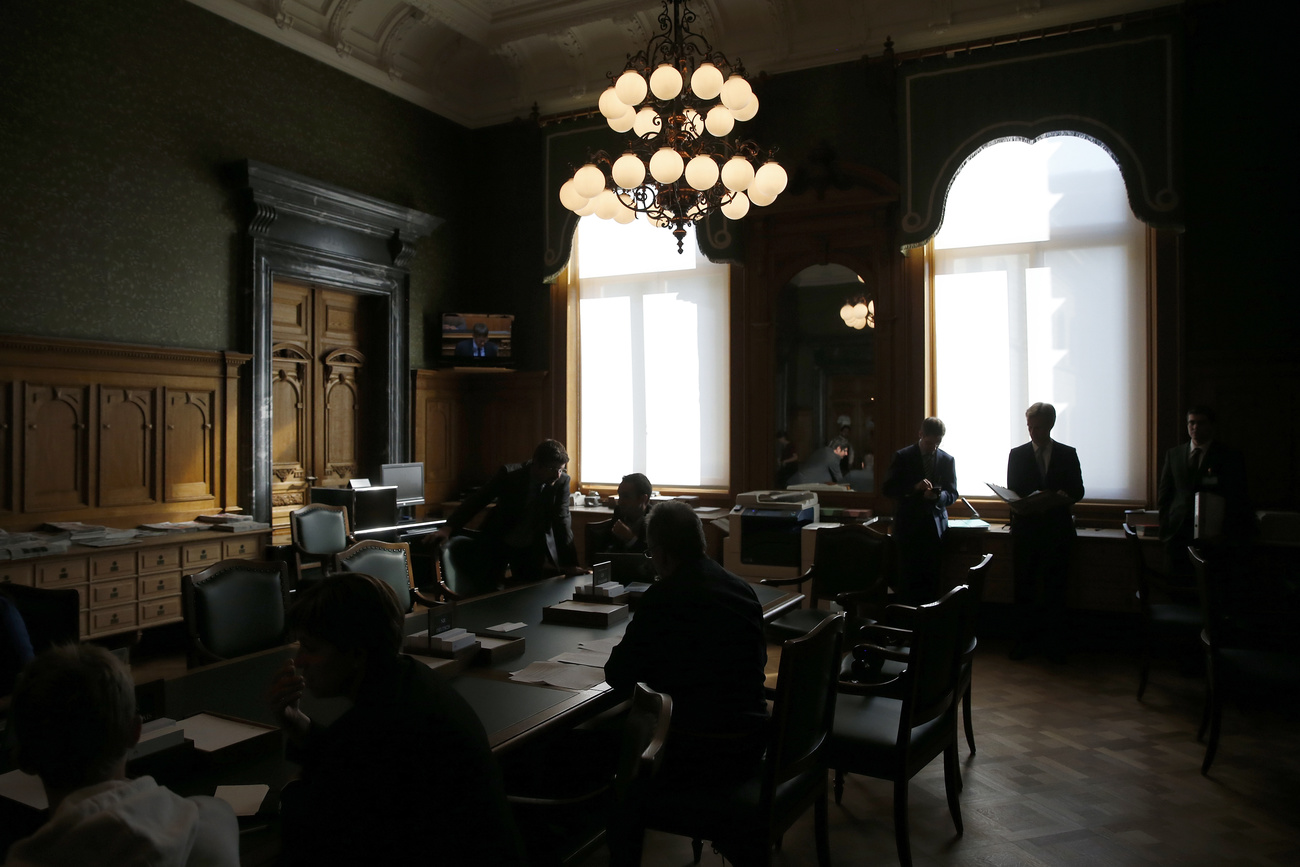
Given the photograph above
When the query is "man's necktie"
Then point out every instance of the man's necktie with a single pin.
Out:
(927, 461)
(1040, 457)
(1194, 460)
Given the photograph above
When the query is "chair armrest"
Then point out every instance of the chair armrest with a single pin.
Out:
(883, 636)
(558, 802)
(884, 689)
(785, 582)
(426, 598)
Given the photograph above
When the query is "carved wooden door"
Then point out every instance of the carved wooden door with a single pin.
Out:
(319, 391)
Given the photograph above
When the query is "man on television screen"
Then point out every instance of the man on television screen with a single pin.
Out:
(478, 346)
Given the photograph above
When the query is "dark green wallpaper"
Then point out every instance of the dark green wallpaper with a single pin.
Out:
(122, 127)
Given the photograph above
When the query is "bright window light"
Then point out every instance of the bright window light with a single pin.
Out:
(654, 357)
(1040, 295)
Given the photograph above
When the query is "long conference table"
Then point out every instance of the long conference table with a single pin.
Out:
(512, 712)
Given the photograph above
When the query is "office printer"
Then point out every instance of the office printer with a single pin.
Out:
(763, 537)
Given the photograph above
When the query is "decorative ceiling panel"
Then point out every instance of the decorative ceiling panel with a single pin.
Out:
(481, 62)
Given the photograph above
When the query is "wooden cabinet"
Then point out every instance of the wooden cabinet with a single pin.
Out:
(115, 434)
(467, 423)
(135, 586)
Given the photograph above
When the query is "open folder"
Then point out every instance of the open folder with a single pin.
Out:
(1034, 504)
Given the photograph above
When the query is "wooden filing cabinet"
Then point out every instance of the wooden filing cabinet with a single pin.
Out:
(135, 586)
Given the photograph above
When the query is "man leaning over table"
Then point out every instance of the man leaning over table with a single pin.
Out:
(529, 529)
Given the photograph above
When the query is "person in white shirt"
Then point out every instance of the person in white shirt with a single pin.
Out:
(74, 720)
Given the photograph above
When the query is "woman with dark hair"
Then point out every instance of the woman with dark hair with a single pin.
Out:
(403, 776)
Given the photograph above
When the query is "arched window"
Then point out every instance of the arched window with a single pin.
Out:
(654, 357)
(1040, 294)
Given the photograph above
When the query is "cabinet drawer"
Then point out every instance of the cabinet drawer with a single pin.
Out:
(60, 573)
(112, 619)
(16, 573)
(160, 559)
(160, 610)
(201, 554)
(160, 585)
(119, 565)
(107, 593)
(250, 547)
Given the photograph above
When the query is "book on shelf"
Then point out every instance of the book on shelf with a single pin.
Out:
(225, 518)
(175, 526)
(239, 526)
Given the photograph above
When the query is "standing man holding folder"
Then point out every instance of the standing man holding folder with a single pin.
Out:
(1042, 541)
(922, 479)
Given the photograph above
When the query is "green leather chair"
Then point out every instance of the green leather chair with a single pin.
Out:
(851, 567)
(319, 532)
(464, 570)
(233, 608)
(890, 730)
(755, 813)
(390, 562)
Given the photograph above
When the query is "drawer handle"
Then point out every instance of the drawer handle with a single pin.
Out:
(203, 555)
(162, 584)
(113, 619)
(63, 572)
(112, 593)
(113, 568)
(161, 610)
(160, 560)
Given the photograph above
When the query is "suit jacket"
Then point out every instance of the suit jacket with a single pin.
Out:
(547, 513)
(822, 466)
(1063, 474)
(466, 347)
(915, 512)
(698, 636)
(1222, 471)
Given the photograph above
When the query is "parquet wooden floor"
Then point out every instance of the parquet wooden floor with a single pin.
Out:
(1072, 770)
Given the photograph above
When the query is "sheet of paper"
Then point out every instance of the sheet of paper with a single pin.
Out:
(586, 606)
(506, 627)
(211, 733)
(600, 645)
(559, 674)
(591, 658)
(24, 788)
(244, 800)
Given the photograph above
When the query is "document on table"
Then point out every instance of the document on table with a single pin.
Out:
(244, 800)
(582, 656)
(24, 788)
(600, 645)
(560, 674)
(211, 733)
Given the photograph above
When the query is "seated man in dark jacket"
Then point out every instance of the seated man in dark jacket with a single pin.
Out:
(404, 776)
(698, 636)
(626, 533)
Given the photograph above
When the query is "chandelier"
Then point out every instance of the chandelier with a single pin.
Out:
(859, 313)
(681, 101)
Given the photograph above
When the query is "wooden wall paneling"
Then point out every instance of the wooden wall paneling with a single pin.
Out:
(100, 451)
(437, 418)
(7, 469)
(56, 451)
(290, 441)
(189, 456)
(341, 412)
(127, 450)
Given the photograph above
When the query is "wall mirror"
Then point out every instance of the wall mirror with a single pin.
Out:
(826, 350)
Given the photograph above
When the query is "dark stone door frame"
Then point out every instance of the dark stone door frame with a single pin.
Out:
(303, 229)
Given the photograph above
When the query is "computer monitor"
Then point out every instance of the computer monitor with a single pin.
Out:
(409, 480)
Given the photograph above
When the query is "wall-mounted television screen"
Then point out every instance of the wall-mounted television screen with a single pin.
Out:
(477, 339)
(408, 479)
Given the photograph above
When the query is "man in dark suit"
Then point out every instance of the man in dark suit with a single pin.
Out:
(625, 533)
(922, 479)
(823, 465)
(1042, 540)
(478, 346)
(1203, 464)
(529, 528)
